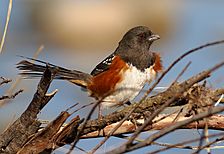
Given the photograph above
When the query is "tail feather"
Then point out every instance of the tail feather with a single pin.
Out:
(32, 70)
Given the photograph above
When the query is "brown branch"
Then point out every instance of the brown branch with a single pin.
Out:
(209, 144)
(4, 80)
(166, 130)
(11, 96)
(83, 126)
(185, 142)
(178, 59)
(215, 122)
(27, 124)
(111, 132)
(43, 140)
(181, 73)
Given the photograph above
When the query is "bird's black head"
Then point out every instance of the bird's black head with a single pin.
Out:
(140, 37)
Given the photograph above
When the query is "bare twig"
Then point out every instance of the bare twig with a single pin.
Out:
(178, 59)
(38, 51)
(185, 142)
(69, 108)
(111, 133)
(209, 144)
(83, 126)
(44, 139)
(6, 25)
(178, 146)
(215, 122)
(10, 96)
(4, 80)
(203, 136)
(82, 107)
(163, 132)
(181, 73)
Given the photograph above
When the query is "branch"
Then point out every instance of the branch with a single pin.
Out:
(11, 96)
(27, 124)
(215, 122)
(43, 140)
(166, 130)
(4, 80)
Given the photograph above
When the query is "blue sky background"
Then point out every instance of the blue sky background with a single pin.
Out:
(193, 23)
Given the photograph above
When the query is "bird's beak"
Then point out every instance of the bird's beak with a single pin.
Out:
(154, 37)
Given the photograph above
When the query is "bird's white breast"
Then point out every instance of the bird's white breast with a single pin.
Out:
(131, 84)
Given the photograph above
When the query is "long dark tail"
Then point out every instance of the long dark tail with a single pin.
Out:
(32, 70)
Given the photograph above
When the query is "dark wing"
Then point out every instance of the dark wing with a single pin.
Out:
(103, 66)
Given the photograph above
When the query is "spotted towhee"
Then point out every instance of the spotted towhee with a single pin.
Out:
(119, 78)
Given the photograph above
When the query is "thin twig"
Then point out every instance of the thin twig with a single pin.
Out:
(164, 117)
(177, 116)
(219, 100)
(4, 80)
(163, 132)
(149, 120)
(164, 144)
(81, 149)
(6, 25)
(79, 133)
(69, 108)
(111, 133)
(206, 135)
(203, 136)
(82, 107)
(38, 51)
(10, 96)
(178, 146)
(181, 73)
(184, 143)
(178, 59)
(209, 144)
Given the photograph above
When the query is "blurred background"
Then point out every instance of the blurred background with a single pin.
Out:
(78, 34)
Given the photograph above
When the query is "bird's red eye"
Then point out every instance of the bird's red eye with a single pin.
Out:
(142, 35)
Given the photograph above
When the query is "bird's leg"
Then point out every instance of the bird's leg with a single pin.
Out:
(100, 111)
(100, 117)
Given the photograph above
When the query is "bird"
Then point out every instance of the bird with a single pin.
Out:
(119, 78)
